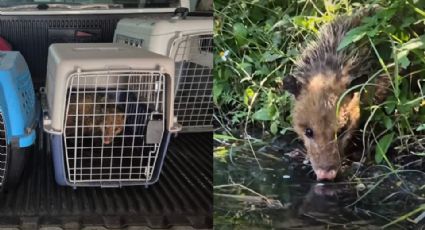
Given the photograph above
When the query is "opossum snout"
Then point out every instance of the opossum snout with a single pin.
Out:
(325, 174)
(106, 140)
(110, 133)
(326, 168)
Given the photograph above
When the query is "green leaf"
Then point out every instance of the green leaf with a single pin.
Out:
(390, 106)
(248, 58)
(269, 57)
(262, 115)
(407, 21)
(224, 137)
(299, 20)
(217, 89)
(401, 54)
(262, 71)
(388, 122)
(372, 33)
(249, 93)
(414, 43)
(421, 127)
(240, 32)
(284, 130)
(274, 127)
(353, 36)
(277, 39)
(404, 62)
(221, 154)
(270, 97)
(246, 66)
(405, 108)
(382, 147)
(274, 112)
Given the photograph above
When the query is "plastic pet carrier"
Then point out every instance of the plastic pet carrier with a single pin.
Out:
(18, 117)
(109, 113)
(189, 42)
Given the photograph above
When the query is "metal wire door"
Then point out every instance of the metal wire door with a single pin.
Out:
(194, 81)
(105, 127)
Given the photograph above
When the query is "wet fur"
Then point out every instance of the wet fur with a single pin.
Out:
(321, 55)
(321, 75)
(96, 124)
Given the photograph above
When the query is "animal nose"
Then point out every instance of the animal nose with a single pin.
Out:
(326, 174)
(106, 140)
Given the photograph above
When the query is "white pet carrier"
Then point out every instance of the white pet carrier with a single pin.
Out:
(109, 113)
(189, 42)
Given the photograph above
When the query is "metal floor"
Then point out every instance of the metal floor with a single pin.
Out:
(182, 197)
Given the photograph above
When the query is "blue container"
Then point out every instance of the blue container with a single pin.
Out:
(63, 178)
(18, 115)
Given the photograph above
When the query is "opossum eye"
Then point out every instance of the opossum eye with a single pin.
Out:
(308, 133)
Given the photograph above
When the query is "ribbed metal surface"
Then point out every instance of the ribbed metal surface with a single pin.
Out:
(32, 35)
(183, 195)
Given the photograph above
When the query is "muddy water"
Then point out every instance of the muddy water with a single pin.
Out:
(284, 195)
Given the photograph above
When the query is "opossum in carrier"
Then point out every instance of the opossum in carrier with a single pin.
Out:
(100, 119)
(321, 75)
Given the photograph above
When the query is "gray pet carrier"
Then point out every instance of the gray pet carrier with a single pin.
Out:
(189, 42)
(109, 113)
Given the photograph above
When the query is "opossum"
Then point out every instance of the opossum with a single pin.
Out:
(113, 125)
(321, 75)
(99, 119)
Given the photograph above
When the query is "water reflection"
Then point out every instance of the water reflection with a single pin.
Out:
(284, 195)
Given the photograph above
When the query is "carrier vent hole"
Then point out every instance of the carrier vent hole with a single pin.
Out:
(3, 149)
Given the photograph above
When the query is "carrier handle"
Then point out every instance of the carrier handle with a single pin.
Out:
(181, 12)
(47, 122)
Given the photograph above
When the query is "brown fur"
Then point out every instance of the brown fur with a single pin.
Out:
(112, 128)
(321, 77)
(316, 109)
(98, 119)
(383, 84)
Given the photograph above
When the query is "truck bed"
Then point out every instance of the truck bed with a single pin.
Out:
(182, 197)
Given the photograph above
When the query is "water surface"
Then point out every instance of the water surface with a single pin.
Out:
(283, 193)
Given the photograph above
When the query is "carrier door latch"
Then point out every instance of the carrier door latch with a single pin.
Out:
(154, 131)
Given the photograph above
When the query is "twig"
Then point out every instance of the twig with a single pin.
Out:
(243, 187)
(405, 216)
(252, 200)
(378, 215)
(324, 221)
(270, 156)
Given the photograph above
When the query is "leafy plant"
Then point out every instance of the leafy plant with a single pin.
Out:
(257, 42)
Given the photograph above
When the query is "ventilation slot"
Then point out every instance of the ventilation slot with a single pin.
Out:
(3, 150)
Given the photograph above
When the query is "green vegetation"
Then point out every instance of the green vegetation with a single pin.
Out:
(257, 42)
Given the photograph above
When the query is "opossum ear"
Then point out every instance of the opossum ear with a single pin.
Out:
(292, 85)
(349, 114)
